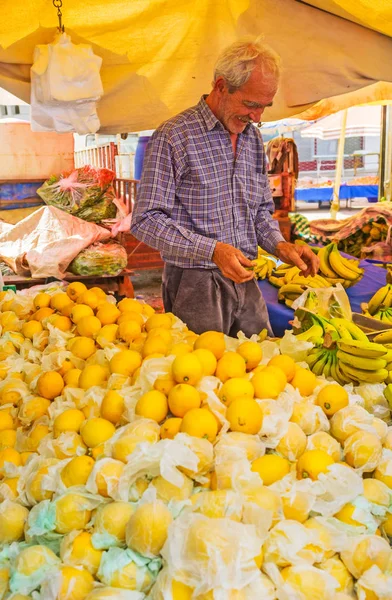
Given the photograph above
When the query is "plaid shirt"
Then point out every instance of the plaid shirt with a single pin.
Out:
(193, 192)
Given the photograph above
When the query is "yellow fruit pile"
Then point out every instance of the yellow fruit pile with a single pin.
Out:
(137, 456)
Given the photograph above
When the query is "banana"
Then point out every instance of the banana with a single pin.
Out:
(361, 375)
(341, 377)
(327, 367)
(385, 337)
(387, 302)
(291, 288)
(360, 348)
(291, 273)
(318, 367)
(325, 267)
(355, 332)
(388, 394)
(314, 358)
(377, 300)
(341, 329)
(314, 331)
(263, 335)
(360, 362)
(342, 270)
(276, 281)
(351, 264)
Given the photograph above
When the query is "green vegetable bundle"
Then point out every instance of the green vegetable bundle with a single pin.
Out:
(100, 259)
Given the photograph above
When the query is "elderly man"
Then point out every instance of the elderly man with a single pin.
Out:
(204, 200)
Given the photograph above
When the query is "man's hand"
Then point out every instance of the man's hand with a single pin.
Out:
(231, 263)
(300, 256)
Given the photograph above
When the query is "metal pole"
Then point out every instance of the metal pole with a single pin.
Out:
(339, 166)
(383, 141)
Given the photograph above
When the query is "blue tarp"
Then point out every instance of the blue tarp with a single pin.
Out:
(325, 194)
(280, 314)
(19, 195)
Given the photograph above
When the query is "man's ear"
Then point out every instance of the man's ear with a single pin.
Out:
(220, 85)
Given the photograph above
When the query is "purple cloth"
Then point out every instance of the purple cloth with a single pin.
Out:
(193, 192)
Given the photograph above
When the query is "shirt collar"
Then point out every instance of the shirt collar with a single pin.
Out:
(209, 118)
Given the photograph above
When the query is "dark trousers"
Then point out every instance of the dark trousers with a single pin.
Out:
(206, 300)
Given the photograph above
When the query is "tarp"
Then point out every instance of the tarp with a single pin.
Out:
(158, 56)
(361, 121)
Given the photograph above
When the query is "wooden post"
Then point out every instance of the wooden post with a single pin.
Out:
(339, 165)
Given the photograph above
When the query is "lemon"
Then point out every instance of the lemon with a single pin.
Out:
(75, 289)
(78, 551)
(111, 519)
(38, 432)
(154, 345)
(6, 421)
(363, 450)
(293, 443)
(31, 328)
(187, 369)
(59, 301)
(335, 567)
(93, 375)
(125, 362)
(67, 309)
(9, 455)
(128, 331)
(266, 385)
(163, 321)
(50, 385)
(332, 398)
(323, 441)
(313, 462)
(41, 300)
(271, 468)
(112, 407)
(181, 348)
(96, 431)
(107, 476)
(42, 313)
(297, 506)
(207, 360)
(152, 405)
(33, 409)
(130, 305)
(71, 512)
(107, 335)
(75, 583)
(12, 484)
(69, 420)
(62, 323)
(284, 362)
(230, 365)
(89, 298)
(108, 314)
(244, 414)
(98, 292)
(347, 421)
(88, 326)
(147, 310)
(164, 384)
(307, 416)
(153, 517)
(77, 471)
(183, 397)
(364, 552)
(305, 381)
(7, 438)
(79, 311)
(201, 423)
(376, 492)
(213, 341)
(235, 388)
(9, 321)
(252, 353)
(387, 525)
(13, 517)
(170, 428)
(140, 430)
(160, 332)
(12, 393)
(345, 515)
(83, 347)
(71, 377)
(131, 316)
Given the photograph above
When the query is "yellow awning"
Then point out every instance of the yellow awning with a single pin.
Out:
(158, 55)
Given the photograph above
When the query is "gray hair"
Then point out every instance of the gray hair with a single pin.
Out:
(238, 60)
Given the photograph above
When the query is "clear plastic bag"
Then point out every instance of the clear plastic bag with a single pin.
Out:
(100, 259)
(86, 193)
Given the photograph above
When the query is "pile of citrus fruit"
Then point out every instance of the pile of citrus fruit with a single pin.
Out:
(140, 460)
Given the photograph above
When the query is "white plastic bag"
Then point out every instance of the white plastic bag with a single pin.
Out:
(65, 87)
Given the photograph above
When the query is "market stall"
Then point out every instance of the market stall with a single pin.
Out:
(346, 192)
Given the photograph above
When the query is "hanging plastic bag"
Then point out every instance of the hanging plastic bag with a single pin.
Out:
(65, 87)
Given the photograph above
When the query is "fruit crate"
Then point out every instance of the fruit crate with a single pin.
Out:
(370, 326)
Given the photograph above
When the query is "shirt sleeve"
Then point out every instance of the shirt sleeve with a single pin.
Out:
(267, 228)
(152, 220)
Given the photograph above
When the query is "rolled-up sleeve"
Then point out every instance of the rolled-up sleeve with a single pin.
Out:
(152, 220)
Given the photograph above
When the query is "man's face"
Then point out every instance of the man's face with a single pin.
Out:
(247, 103)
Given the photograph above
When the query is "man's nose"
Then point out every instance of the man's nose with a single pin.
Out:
(255, 115)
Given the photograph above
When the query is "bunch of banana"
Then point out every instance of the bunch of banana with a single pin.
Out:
(338, 269)
(263, 266)
(292, 283)
(380, 305)
(343, 352)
